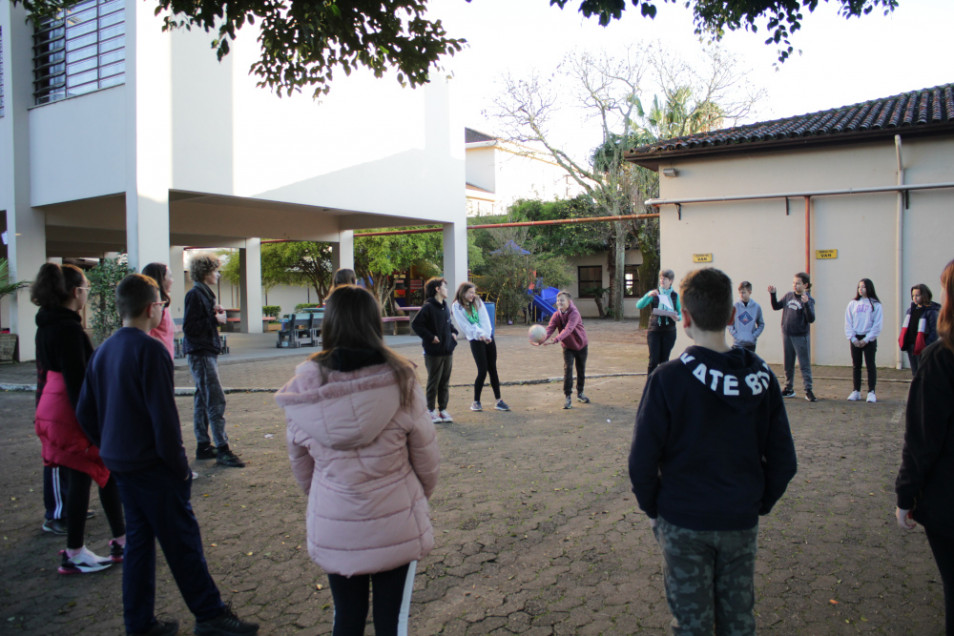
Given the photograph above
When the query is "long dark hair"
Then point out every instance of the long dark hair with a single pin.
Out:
(54, 284)
(157, 272)
(926, 295)
(869, 290)
(353, 321)
(945, 318)
(459, 296)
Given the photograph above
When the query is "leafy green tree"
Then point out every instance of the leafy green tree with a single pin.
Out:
(103, 280)
(7, 286)
(303, 42)
(299, 263)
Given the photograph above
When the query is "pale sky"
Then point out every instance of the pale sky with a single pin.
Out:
(842, 61)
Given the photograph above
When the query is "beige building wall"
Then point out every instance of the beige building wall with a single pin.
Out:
(765, 240)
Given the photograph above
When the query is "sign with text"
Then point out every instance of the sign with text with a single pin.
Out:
(702, 258)
(826, 255)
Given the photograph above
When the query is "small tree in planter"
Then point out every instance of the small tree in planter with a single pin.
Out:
(103, 280)
(8, 341)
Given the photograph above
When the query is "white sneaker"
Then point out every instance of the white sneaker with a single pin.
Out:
(435, 416)
(83, 563)
(871, 397)
(854, 396)
(446, 417)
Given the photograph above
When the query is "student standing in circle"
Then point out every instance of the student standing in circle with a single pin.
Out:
(662, 328)
(863, 320)
(165, 332)
(364, 449)
(473, 321)
(919, 328)
(798, 313)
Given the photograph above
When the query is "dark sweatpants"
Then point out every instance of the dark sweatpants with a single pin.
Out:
(571, 356)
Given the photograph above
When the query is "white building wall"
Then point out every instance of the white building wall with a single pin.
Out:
(760, 242)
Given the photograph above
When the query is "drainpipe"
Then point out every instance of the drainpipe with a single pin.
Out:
(899, 240)
(808, 235)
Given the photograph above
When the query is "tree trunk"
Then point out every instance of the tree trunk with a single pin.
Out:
(618, 271)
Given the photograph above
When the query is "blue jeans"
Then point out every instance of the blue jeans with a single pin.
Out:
(209, 405)
(157, 506)
(710, 578)
(797, 346)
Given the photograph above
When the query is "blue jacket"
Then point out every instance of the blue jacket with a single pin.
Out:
(127, 405)
(712, 449)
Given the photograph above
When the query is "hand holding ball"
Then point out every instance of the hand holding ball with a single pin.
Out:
(537, 334)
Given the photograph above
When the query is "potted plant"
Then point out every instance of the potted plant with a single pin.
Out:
(8, 341)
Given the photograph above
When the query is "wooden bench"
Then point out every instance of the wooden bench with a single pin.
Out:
(396, 322)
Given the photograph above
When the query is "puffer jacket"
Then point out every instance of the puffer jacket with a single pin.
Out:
(367, 465)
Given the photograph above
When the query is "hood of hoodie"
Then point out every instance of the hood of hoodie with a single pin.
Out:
(342, 410)
(737, 377)
(51, 317)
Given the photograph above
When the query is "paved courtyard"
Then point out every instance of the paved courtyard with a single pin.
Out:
(537, 530)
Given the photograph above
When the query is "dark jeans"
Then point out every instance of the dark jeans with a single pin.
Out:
(660, 346)
(77, 503)
(391, 598)
(915, 363)
(209, 403)
(571, 357)
(438, 380)
(942, 545)
(485, 355)
(868, 353)
(157, 507)
(54, 492)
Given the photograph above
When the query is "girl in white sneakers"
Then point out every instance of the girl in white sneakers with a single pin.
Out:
(863, 320)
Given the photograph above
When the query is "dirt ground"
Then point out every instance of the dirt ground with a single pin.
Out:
(537, 530)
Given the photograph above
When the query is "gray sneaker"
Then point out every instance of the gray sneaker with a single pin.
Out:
(476, 407)
(501, 406)
(569, 403)
(582, 398)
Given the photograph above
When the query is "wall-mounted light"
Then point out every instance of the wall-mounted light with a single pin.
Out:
(670, 172)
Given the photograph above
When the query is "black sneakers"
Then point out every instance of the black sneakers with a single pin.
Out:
(205, 451)
(226, 624)
(788, 392)
(225, 457)
(810, 396)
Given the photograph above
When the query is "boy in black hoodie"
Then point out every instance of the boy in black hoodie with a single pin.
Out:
(712, 451)
(436, 330)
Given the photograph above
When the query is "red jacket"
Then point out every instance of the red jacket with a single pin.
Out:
(64, 443)
(571, 335)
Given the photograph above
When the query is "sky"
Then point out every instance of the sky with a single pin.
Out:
(841, 62)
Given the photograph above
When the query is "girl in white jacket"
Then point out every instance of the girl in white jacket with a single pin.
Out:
(473, 321)
(364, 449)
(863, 321)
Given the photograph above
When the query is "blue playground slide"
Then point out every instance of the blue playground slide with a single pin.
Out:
(543, 305)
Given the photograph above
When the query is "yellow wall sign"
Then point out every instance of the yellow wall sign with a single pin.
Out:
(826, 255)
(702, 258)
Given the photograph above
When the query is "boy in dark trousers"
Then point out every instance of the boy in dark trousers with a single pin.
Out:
(568, 325)
(127, 408)
(711, 451)
(437, 332)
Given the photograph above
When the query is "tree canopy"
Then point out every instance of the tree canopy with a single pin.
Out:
(303, 42)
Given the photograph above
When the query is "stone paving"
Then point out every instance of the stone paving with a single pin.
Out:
(537, 531)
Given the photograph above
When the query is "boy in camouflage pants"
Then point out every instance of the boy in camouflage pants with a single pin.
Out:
(712, 451)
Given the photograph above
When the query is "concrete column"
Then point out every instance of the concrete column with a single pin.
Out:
(148, 134)
(455, 254)
(250, 285)
(343, 250)
(25, 226)
(180, 282)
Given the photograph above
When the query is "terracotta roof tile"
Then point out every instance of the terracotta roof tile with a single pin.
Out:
(926, 110)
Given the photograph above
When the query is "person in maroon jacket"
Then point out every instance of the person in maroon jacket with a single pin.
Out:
(568, 325)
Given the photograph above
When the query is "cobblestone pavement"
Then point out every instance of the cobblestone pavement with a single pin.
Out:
(537, 531)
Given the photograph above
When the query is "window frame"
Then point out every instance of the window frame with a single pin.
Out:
(580, 286)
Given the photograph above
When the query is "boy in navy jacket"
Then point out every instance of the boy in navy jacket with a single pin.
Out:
(127, 408)
(711, 451)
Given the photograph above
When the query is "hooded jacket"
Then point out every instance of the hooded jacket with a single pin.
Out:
(367, 465)
(434, 319)
(712, 449)
(796, 315)
(62, 352)
(569, 327)
(925, 482)
(863, 317)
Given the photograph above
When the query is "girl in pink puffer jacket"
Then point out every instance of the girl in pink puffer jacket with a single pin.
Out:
(364, 449)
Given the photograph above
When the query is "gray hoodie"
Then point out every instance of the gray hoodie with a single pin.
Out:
(748, 324)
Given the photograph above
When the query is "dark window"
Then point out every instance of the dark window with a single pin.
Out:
(80, 50)
(590, 277)
(631, 281)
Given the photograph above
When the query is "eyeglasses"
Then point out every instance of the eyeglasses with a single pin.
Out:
(84, 288)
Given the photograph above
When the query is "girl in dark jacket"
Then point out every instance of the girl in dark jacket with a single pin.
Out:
(925, 484)
(919, 328)
(62, 351)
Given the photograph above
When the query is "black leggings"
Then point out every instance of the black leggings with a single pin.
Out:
(77, 503)
(485, 355)
(868, 353)
(942, 545)
(350, 594)
(660, 346)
